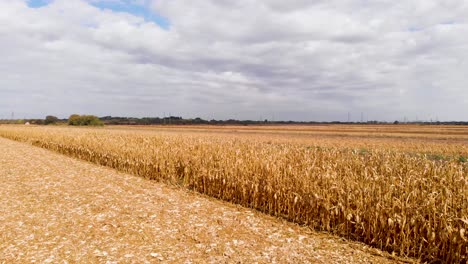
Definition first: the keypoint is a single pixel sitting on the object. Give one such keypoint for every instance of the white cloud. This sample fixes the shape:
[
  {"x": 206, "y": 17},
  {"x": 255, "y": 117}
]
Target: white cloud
[{"x": 296, "y": 59}]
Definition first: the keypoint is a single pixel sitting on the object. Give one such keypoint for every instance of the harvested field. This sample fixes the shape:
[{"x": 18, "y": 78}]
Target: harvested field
[
  {"x": 406, "y": 195},
  {"x": 54, "y": 209},
  {"x": 451, "y": 140}
]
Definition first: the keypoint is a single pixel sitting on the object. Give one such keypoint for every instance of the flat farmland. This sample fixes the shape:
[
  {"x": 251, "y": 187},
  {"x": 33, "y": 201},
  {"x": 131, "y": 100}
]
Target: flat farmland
[{"x": 402, "y": 189}]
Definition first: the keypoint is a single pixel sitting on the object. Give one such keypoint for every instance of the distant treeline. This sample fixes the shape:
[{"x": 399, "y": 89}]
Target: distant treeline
[{"x": 176, "y": 120}]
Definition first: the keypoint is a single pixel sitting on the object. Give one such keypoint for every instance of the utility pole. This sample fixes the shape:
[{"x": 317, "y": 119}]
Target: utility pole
[{"x": 349, "y": 117}]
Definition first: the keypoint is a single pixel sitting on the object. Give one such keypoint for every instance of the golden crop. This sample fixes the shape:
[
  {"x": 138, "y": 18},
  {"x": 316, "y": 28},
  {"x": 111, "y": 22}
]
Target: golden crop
[{"x": 403, "y": 201}]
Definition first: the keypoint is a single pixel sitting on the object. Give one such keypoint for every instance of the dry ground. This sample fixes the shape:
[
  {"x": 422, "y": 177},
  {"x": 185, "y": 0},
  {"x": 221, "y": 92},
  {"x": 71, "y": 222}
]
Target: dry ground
[{"x": 55, "y": 209}]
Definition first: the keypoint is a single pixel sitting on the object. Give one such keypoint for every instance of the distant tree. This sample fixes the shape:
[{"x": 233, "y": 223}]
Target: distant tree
[
  {"x": 74, "y": 120},
  {"x": 50, "y": 120},
  {"x": 396, "y": 122},
  {"x": 37, "y": 122},
  {"x": 84, "y": 120},
  {"x": 90, "y": 120}
]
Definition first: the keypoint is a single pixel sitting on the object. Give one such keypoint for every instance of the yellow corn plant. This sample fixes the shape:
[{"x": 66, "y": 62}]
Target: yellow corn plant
[{"x": 406, "y": 202}]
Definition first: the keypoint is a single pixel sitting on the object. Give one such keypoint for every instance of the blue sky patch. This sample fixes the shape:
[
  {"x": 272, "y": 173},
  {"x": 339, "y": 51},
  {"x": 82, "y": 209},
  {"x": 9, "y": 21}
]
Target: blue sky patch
[
  {"x": 135, "y": 9},
  {"x": 118, "y": 6},
  {"x": 38, "y": 3}
]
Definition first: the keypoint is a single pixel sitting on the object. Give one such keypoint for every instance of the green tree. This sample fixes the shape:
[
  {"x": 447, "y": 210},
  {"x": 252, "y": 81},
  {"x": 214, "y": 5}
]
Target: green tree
[
  {"x": 74, "y": 120},
  {"x": 84, "y": 120},
  {"x": 50, "y": 120}
]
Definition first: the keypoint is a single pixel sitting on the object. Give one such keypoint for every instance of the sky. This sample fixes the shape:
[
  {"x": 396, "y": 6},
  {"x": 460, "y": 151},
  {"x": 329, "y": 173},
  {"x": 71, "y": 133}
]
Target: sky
[{"x": 303, "y": 60}]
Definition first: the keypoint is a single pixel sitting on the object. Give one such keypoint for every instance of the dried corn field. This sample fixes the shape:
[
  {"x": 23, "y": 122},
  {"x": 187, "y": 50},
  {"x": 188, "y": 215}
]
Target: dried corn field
[
  {"x": 407, "y": 195},
  {"x": 56, "y": 209}
]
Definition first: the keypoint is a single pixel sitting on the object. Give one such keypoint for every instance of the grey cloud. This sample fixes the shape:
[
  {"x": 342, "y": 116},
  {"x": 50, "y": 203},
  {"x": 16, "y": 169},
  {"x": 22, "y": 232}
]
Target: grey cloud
[{"x": 295, "y": 59}]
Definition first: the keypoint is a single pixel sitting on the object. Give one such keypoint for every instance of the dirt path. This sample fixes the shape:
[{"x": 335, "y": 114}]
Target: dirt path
[{"x": 55, "y": 209}]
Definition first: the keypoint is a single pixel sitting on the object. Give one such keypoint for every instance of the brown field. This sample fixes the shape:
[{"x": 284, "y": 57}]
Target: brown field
[
  {"x": 433, "y": 131},
  {"x": 400, "y": 188}
]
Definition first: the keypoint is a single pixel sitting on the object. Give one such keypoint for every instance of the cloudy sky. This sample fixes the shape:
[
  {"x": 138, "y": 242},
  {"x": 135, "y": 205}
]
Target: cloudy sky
[{"x": 243, "y": 59}]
